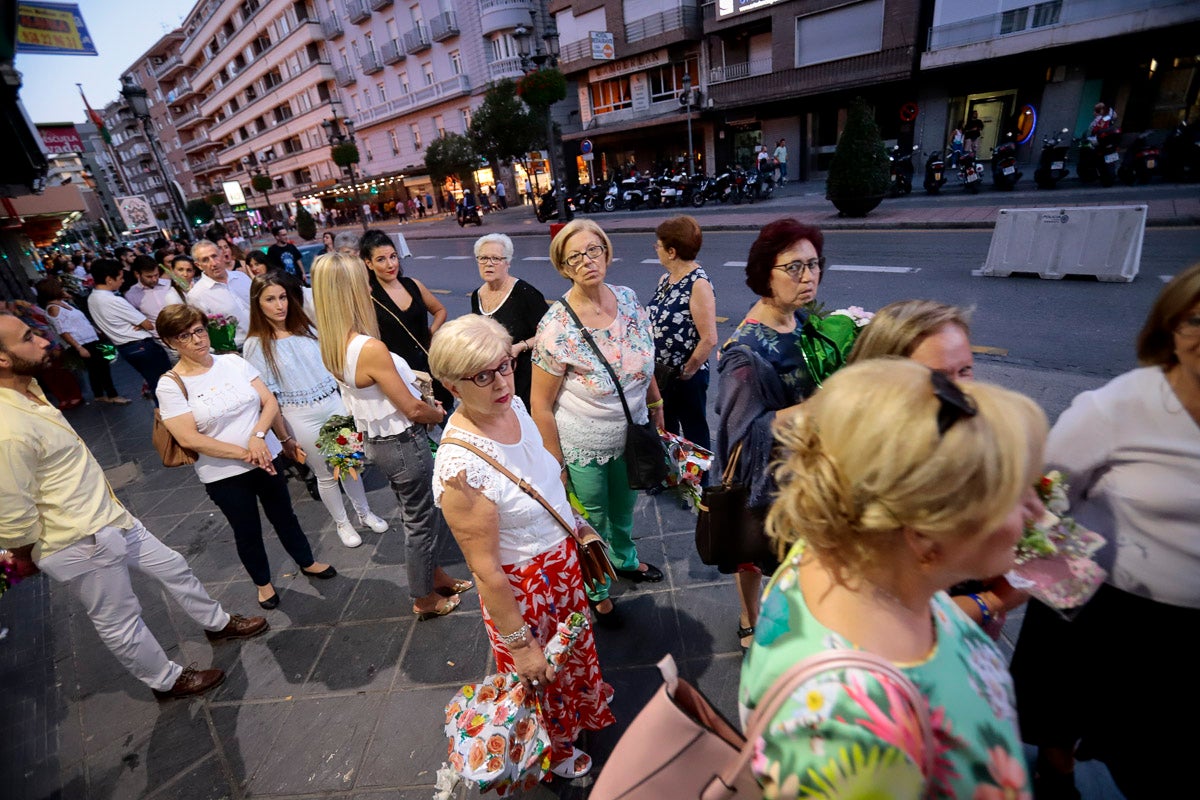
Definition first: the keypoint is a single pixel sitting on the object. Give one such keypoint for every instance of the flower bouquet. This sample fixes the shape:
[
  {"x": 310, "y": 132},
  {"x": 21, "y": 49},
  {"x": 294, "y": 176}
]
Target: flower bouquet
[
  {"x": 342, "y": 446},
  {"x": 827, "y": 338},
  {"x": 222, "y": 329},
  {"x": 688, "y": 463},
  {"x": 1054, "y": 555}
]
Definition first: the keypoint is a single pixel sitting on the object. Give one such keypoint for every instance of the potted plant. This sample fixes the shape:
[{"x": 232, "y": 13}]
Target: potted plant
[{"x": 858, "y": 175}]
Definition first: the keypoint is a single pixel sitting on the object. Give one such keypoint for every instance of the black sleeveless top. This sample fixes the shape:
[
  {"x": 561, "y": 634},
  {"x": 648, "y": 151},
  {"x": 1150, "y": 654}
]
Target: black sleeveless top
[{"x": 416, "y": 320}]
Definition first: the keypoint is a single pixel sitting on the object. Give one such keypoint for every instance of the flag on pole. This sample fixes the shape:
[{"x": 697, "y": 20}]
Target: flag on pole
[{"x": 96, "y": 119}]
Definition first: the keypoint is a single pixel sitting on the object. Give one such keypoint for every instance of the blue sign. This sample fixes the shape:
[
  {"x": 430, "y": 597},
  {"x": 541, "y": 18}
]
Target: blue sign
[{"x": 585, "y": 146}]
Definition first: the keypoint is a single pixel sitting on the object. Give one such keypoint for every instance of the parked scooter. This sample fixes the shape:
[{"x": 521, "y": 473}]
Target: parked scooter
[
  {"x": 1181, "y": 153},
  {"x": 547, "y": 205},
  {"x": 1004, "y": 163},
  {"x": 1099, "y": 160},
  {"x": 1052, "y": 163},
  {"x": 1141, "y": 161},
  {"x": 901, "y": 168},
  {"x": 935, "y": 172},
  {"x": 970, "y": 172},
  {"x": 760, "y": 184}
]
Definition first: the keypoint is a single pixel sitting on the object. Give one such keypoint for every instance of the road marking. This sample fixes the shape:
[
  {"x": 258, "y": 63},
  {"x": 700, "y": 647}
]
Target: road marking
[
  {"x": 866, "y": 268},
  {"x": 457, "y": 258},
  {"x": 734, "y": 264},
  {"x": 536, "y": 258},
  {"x": 440, "y": 291},
  {"x": 649, "y": 261},
  {"x": 983, "y": 349},
  {"x": 1165, "y": 278},
  {"x": 424, "y": 258},
  {"x": 976, "y": 273}
]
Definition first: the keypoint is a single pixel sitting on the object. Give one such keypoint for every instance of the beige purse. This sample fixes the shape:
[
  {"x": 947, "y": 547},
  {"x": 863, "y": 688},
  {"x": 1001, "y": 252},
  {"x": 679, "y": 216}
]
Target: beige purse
[{"x": 172, "y": 453}]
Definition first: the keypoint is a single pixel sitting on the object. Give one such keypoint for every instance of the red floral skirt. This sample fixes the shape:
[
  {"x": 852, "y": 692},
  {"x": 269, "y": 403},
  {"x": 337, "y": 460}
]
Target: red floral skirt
[{"x": 548, "y": 588}]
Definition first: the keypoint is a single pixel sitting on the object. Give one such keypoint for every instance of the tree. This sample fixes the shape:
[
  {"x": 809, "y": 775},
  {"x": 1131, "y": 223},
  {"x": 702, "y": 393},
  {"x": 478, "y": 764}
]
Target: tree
[
  {"x": 261, "y": 183},
  {"x": 502, "y": 128},
  {"x": 199, "y": 211},
  {"x": 452, "y": 155},
  {"x": 858, "y": 174},
  {"x": 306, "y": 226},
  {"x": 344, "y": 154}
]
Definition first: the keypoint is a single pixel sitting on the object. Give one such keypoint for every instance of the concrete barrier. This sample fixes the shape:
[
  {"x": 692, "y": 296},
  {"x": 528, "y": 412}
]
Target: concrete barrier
[
  {"x": 401, "y": 245},
  {"x": 1103, "y": 241}
]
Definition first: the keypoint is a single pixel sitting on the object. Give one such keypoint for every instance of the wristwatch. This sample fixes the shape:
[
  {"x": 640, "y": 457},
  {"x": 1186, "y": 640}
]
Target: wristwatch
[{"x": 260, "y": 435}]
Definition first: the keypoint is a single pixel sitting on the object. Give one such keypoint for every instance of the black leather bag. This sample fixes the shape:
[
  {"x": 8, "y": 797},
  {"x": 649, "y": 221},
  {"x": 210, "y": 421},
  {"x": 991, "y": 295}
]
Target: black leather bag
[
  {"x": 645, "y": 454},
  {"x": 728, "y": 531}
]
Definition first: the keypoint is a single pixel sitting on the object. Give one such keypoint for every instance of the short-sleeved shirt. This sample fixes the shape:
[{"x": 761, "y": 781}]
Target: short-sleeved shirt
[
  {"x": 675, "y": 333},
  {"x": 116, "y": 317},
  {"x": 231, "y": 298},
  {"x": 224, "y": 405},
  {"x": 519, "y": 312},
  {"x": 782, "y": 351},
  {"x": 852, "y": 733},
  {"x": 591, "y": 423}
]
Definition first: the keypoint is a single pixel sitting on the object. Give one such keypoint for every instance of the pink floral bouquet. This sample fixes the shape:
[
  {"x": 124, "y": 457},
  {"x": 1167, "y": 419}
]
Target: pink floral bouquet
[
  {"x": 222, "y": 330},
  {"x": 688, "y": 463},
  {"x": 1054, "y": 556},
  {"x": 342, "y": 446}
]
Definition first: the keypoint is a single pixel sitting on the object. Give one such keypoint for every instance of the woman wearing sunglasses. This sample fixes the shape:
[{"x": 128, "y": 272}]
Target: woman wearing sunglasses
[
  {"x": 895, "y": 484},
  {"x": 576, "y": 405},
  {"x": 522, "y": 558},
  {"x": 379, "y": 389}
]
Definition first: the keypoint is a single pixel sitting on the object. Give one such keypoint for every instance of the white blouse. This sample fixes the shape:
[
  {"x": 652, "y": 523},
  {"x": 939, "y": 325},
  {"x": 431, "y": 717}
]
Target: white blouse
[
  {"x": 526, "y": 529},
  {"x": 73, "y": 321},
  {"x": 373, "y": 412}
]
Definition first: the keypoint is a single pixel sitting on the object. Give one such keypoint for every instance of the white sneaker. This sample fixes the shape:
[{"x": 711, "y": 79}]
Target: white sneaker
[
  {"x": 348, "y": 535},
  {"x": 375, "y": 523}
]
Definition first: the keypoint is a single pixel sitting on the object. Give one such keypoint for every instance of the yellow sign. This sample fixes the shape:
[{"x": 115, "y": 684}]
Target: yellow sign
[{"x": 53, "y": 29}]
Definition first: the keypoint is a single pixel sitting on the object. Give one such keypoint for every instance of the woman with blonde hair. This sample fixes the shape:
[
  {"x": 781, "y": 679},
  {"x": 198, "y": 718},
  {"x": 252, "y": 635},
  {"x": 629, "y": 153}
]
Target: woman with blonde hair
[
  {"x": 895, "y": 484},
  {"x": 523, "y": 559},
  {"x": 378, "y": 388}
]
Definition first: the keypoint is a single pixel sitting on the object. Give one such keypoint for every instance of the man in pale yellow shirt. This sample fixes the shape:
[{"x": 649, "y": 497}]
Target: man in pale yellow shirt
[{"x": 59, "y": 515}]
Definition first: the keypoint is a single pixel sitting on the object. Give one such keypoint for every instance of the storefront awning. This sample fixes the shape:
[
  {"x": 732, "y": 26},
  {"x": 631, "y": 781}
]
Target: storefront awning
[{"x": 632, "y": 125}]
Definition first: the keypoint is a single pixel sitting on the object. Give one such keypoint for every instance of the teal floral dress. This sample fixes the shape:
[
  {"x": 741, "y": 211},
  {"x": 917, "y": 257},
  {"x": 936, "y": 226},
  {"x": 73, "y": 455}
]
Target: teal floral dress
[{"x": 851, "y": 734}]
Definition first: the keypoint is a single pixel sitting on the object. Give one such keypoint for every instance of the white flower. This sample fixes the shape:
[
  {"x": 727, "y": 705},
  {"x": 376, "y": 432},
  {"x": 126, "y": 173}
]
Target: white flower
[
  {"x": 857, "y": 313},
  {"x": 990, "y": 679}
]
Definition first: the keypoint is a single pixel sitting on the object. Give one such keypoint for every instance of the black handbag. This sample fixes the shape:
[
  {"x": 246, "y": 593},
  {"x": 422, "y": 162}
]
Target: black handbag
[
  {"x": 728, "y": 531},
  {"x": 645, "y": 453}
]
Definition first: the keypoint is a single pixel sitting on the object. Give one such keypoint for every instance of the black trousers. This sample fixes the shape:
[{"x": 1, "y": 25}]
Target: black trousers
[
  {"x": 149, "y": 359},
  {"x": 99, "y": 372}
]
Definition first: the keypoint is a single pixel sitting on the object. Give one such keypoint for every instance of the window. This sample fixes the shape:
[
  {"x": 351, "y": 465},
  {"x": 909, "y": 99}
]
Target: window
[
  {"x": 666, "y": 81},
  {"x": 1013, "y": 21},
  {"x": 439, "y": 125},
  {"x": 456, "y": 62},
  {"x": 427, "y": 70},
  {"x": 354, "y": 103},
  {"x": 393, "y": 142},
  {"x": 415, "y": 132},
  {"x": 370, "y": 43},
  {"x": 345, "y": 59},
  {"x": 403, "y": 83},
  {"x": 303, "y": 102},
  {"x": 610, "y": 95},
  {"x": 844, "y": 32},
  {"x": 367, "y": 148},
  {"x": 382, "y": 89},
  {"x": 392, "y": 36},
  {"x": 465, "y": 114},
  {"x": 1046, "y": 14},
  {"x": 283, "y": 113},
  {"x": 366, "y": 97},
  {"x": 504, "y": 46}
]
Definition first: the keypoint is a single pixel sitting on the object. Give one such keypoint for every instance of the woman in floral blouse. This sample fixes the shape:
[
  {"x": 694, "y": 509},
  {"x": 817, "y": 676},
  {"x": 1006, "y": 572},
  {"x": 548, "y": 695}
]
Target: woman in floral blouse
[
  {"x": 684, "y": 315},
  {"x": 897, "y": 483},
  {"x": 575, "y": 404}
]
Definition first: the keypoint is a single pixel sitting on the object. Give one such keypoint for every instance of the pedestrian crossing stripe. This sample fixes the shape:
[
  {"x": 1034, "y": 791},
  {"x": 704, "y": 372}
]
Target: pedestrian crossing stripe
[
  {"x": 439, "y": 291},
  {"x": 734, "y": 264},
  {"x": 536, "y": 258},
  {"x": 457, "y": 258},
  {"x": 424, "y": 258},
  {"x": 650, "y": 261},
  {"x": 865, "y": 268}
]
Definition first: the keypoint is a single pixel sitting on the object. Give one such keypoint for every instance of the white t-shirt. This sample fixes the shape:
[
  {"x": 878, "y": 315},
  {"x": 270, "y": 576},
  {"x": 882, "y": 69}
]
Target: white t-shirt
[
  {"x": 116, "y": 317},
  {"x": 224, "y": 405}
]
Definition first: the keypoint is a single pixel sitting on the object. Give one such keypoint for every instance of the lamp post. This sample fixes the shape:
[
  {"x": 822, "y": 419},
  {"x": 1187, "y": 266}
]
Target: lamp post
[
  {"x": 534, "y": 57},
  {"x": 687, "y": 101},
  {"x": 138, "y": 101},
  {"x": 334, "y": 132},
  {"x": 262, "y": 169}
]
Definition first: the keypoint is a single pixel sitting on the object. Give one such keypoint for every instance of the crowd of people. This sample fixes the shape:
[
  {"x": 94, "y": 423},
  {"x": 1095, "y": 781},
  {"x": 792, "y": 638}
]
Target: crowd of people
[{"x": 892, "y": 486}]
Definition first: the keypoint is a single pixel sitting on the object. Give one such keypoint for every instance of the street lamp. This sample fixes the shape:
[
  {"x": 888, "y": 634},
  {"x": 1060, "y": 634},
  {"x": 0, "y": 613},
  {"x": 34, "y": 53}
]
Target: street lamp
[
  {"x": 261, "y": 169},
  {"x": 687, "y": 99},
  {"x": 333, "y": 131},
  {"x": 534, "y": 57},
  {"x": 138, "y": 101}
]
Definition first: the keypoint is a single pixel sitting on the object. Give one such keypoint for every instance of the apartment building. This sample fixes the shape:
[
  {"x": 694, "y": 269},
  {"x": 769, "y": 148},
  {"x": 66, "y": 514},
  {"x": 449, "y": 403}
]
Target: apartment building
[{"x": 1036, "y": 68}]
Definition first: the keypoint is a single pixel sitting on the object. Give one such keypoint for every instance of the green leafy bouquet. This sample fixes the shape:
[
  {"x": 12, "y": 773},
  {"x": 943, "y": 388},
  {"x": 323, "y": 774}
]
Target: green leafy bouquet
[{"x": 342, "y": 446}]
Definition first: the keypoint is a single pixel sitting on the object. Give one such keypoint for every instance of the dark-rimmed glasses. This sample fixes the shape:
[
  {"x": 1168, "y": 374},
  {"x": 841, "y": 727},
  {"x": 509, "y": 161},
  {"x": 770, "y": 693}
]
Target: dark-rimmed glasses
[
  {"x": 488, "y": 376},
  {"x": 953, "y": 404},
  {"x": 795, "y": 269},
  {"x": 194, "y": 333},
  {"x": 595, "y": 252},
  {"x": 494, "y": 261}
]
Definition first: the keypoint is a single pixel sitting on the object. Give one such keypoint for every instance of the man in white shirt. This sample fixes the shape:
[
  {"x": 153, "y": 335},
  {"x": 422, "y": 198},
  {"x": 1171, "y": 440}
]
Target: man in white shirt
[
  {"x": 125, "y": 326},
  {"x": 153, "y": 292},
  {"x": 219, "y": 290}
]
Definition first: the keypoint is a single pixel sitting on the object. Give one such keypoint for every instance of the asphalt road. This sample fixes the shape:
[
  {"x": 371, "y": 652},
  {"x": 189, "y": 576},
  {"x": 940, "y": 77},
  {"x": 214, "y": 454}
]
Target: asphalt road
[{"x": 1077, "y": 325}]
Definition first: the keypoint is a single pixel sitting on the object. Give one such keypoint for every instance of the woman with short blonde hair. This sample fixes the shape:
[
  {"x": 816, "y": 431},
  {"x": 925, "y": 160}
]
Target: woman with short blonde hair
[{"x": 894, "y": 484}]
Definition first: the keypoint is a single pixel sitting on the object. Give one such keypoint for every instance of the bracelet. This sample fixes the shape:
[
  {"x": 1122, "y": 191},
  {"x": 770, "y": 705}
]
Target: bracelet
[
  {"x": 288, "y": 439},
  {"x": 516, "y": 636},
  {"x": 984, "y": 610},
  {"x": 657, "y": 404}
]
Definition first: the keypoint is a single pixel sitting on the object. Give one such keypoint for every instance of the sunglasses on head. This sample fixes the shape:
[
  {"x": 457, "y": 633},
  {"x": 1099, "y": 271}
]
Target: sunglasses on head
[{"x": 953, "y": 404}]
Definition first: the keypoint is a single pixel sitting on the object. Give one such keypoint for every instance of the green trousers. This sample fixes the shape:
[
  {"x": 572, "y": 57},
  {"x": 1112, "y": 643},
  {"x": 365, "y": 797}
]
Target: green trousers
[{"x": 604, "y": 491}]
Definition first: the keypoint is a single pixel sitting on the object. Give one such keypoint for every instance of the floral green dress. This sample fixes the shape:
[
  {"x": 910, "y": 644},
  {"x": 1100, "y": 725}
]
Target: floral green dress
[{"x": 851, "y": 734}]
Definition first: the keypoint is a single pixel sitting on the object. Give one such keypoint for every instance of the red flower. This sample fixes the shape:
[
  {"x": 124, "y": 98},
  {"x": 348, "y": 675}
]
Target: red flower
[{"x": 342, "y": 440}]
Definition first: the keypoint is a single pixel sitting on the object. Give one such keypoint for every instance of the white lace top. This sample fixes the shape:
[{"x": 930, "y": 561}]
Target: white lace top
[
  {"x": 302, "y": 379},
  {"x": 526, "y": 529},
  {"x": 373, "y": 413}
]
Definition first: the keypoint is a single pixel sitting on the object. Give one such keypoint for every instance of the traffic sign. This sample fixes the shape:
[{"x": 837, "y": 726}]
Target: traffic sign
[{"x": 585, "y": 146}]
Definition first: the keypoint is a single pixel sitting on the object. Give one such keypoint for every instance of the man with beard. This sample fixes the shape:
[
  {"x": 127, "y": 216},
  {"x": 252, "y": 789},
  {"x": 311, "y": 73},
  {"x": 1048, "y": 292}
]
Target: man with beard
[{"x": 58, "y": 515}]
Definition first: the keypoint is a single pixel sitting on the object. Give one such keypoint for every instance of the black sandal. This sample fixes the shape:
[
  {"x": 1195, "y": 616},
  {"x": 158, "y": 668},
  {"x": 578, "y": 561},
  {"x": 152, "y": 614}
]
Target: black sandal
[{"x": 742, "y": 633}]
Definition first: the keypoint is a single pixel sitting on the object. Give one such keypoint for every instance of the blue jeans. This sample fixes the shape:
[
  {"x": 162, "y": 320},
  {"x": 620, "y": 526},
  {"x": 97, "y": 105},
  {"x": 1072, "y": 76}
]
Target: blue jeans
[{"x": 149, "y": 359}]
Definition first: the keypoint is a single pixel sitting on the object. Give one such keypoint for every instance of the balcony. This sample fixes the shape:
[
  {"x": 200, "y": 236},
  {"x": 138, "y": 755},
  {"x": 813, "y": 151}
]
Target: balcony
[
  {"x": 505, "y": 68},
  {"x": 684, "y": 19},
  {"x": 357, "y": 11},
  {"x": 731, "y": 91},
  {"x": 370, "y": 63},
  {"x": 503, "y": 15},
  {"x": 199, "y": 143},
  {"x": 379, "y": 5},
  {"x": 575, "y": 51},
  {"x": 183, "y": 88},
  {"x": 417, "y": 40},
  {"x": 454, "y": 87},
  {"x": 393, "y": 53},
  {"x": 168, "y": 67},
  {"x": 345, "y": 76},
  {"x": 332, "y": 27},
  {"x": 206, "y": 165},
  {"x": 187, "y": 118},
  {"x": 444, "y": 26},
  {"x": 735, "y": 72}
]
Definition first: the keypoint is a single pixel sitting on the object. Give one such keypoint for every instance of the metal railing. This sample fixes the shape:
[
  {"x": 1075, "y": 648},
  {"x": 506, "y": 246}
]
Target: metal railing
[
  {"x": 734, "y": 72},
  {"x": 379, "y": 4},
  {"x": 187, "y": 117},
  {"x": 370, "y": 63},
  {"x": 885, "y": 65},
  {"x": 417, "y": 39},
  {"x": 575, "y": 51},
  {"x": 459, "y": 84},
  {"x": 332, "y": 27},
  {"x": 357, "y": 11},
  {"x": 344, "y": 76},
  {"x": 169, "y": 65},
  {"x": 442, "y": 89},
  {"x": 681, "y": 18},
  {"x": 393, "y": 53},
  {"x": 492, "y": 5},
  {"x": 444, "y": 25}
]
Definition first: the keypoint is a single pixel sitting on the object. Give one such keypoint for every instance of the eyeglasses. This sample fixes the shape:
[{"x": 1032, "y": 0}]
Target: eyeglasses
[
  {"x": 488, "y": 376},
  {"x": 1189, "y": 326},
  {"x": 494, "y": 261},
  {"x": 954, "y": 404},
  {"x": 594, "y": 252},
  {"x": 194, "y": 333},
  {"x": 795, "y": 269}
]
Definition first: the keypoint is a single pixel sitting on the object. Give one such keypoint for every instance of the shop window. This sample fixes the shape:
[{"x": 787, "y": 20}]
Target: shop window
[{"x": 610, "y": 95}]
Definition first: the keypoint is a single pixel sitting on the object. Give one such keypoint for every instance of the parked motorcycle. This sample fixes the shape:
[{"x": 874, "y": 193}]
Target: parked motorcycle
[
  {"x": 1181, "y": 153},
  {"x": 1004, "y": 164},
  {"x": 760, "y": 184},
  {"x": 1099, "y": 160},
  {"x": 970, "y": 172},
  {"x": 1141, "y": 161},
  {"x": 612, "y": 195},
  {"x": 547, "y": 205},
  {"x": 737, "y": 189},
  {"x": 935, "y": 172},
  {"x": 1052, "y": 163},
  {"x": 901, "y": 168}
]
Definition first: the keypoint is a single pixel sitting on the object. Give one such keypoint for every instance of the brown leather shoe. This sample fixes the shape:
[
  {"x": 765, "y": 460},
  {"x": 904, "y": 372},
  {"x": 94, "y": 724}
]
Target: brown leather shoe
[
  {"x": 192, "y": 681},
  {"x": 239, "y": 627}
]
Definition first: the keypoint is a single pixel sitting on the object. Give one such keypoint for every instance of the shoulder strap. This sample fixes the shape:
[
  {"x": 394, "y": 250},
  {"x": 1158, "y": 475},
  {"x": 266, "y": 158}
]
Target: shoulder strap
[
  {"x": 787, "y": 683},
  {"x": 587, "y": 337},
  {"x": 522, "y": 484},
  {"x": 400, "y": 322},
  {"x": 179, "y": 381}
]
